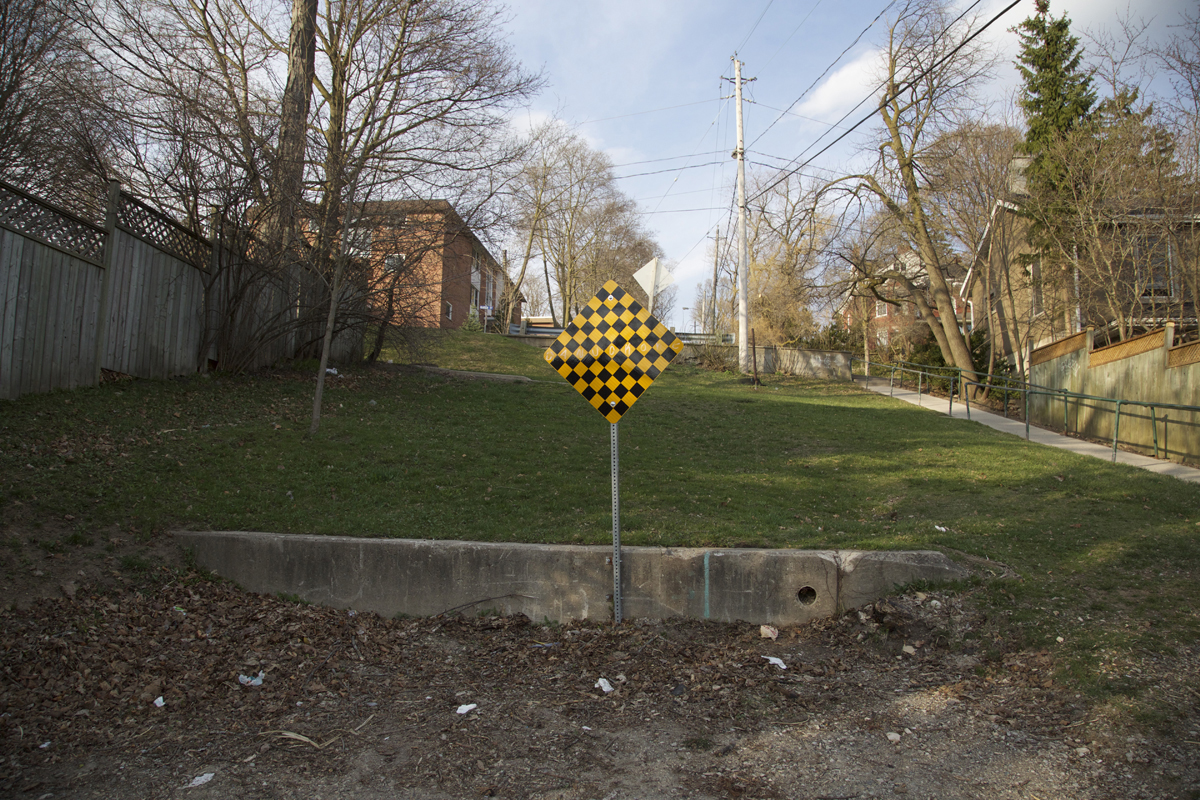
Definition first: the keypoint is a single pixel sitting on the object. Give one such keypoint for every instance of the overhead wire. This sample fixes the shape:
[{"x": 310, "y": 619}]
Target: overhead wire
[
  {"x": 754, "y": 27},
  {"x": 907, "y": 84},
  {"x": 832, "y": 64}
]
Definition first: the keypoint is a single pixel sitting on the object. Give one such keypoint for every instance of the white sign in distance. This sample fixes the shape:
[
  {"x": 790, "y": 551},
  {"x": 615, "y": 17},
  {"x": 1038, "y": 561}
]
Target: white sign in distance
[{"x": 653, "y": 279}]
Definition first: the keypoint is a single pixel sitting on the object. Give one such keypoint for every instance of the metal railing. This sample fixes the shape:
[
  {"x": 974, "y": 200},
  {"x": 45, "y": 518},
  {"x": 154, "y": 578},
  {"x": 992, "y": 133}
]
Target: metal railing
[{"x": 1008, "y": 386}]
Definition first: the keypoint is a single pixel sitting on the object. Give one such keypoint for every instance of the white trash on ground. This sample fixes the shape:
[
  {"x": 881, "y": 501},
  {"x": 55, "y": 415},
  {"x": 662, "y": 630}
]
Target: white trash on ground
[
  {"x": 246, "y": 680},
  {"x": 604, "y": 685},
  {"x": 468, "y": 708},
  {"x": 768, "y": 632},
  {"x": 776, "y": 661},
  {"x": 200, "y": 780}
]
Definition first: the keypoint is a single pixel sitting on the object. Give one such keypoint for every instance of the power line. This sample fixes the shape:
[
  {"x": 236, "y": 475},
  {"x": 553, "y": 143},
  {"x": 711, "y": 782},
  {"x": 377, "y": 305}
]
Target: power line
[
  {"x": 670, "y": 169},
  {"x": 640, "y": 113},
  {"x": 681, "y": 210},
  {"x": 908, "y": 84},
  {"x": 755, "y": 26},
  {"x": 668, "y": 158},
  {"x": 794, "y": 114},
  {"x": 789, "y": 37},
  {"x": 826, "y": 72}
]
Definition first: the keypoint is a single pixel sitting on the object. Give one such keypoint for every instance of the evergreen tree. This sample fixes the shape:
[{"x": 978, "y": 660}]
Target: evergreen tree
[{"x": 1057, "y": 97}]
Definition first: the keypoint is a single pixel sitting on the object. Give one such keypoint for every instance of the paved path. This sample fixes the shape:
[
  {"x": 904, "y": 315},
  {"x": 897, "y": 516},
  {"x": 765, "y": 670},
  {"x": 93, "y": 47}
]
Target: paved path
[{"x": 1036, "y": 434}]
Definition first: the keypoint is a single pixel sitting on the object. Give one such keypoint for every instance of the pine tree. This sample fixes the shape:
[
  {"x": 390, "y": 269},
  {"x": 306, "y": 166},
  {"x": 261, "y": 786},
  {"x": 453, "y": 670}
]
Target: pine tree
[{"x": 1057, "y": 97}]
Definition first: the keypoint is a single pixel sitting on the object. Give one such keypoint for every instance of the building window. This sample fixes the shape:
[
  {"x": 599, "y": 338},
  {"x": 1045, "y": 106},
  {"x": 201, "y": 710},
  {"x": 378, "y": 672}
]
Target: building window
[
  {"x": 358, "y": 241},
  {"x": 475, "y": 297},
  {"x": 449, "y": 311},
  {"x": 1153, "y": 256},
  {"x": 881, "y": 308},
  {"x": 393, "y": 263}
]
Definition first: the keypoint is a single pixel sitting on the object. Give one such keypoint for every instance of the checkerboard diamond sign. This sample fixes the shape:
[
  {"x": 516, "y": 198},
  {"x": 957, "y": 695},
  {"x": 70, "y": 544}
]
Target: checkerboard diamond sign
[{"x": 613, "y": 351}]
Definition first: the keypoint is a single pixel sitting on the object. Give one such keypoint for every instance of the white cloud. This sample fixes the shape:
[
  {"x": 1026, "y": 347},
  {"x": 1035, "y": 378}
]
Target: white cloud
[{"x": 843, "y": 88}]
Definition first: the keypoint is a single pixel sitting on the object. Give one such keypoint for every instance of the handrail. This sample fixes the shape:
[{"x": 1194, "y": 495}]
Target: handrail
[{"x": 1027, "y": 389}]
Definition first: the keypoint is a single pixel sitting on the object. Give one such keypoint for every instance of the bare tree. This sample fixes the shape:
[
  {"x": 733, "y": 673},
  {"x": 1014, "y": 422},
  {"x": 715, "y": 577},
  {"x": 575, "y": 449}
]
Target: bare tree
[
  {"x": 55, "y": 137},
  {"x": 573, "y": 217},
  {"x": 931, "y": 68},
  {"x": 787, "y": 233}
]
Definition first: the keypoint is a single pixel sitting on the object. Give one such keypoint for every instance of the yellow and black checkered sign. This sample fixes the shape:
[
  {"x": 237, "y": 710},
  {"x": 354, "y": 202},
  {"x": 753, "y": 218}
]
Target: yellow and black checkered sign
[{"x": 613, "y": 351}]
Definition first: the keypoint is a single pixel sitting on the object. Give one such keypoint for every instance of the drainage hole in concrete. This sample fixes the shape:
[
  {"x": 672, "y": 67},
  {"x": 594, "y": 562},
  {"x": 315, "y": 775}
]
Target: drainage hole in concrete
[{"x": 807, "y": 595}]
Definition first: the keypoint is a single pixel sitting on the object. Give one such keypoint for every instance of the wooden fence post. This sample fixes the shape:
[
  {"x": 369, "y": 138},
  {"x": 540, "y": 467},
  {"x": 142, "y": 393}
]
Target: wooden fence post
[{"x": 110, "y": 245}]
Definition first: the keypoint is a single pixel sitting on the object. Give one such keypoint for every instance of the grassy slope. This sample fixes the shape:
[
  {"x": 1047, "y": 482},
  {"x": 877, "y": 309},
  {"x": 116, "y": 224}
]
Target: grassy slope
[{"x": 705, "y": 460}]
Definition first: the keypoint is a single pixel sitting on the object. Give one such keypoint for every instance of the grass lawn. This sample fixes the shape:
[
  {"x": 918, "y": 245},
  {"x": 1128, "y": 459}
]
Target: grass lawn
[{"x": 1103, "y": 556}]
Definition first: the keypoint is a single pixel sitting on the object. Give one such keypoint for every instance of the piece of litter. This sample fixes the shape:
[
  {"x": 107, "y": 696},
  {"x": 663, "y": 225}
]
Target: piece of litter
[
  {"x": 468, "y": 708},
  {"x": 1060, "y": 640},
  {"x": 893, "y": 737},
  {"x": 331, "y": 371},
  {"x": 768, "y": 632},
  {"x": 246, "y": 680},
  {"x": 776, "y": 661},
  {"x": 908, "y": 649},
  {"x": 43, "y": 745},
  {"x": 586, "y": 728},
  {"x": 158, "y": 701},
  {"x": 940, "y": 528},
  {"x": 604, "y": 685},
  {"x": 200, "y": 780}
]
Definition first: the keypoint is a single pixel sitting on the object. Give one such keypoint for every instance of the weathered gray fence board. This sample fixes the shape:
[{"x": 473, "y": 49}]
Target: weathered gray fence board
[
  {"x": 155, "y": 325},
  {"x": 45, "y": 294},
  {"x": 158, "y": 314},
  {"x": 8, "y": 309}
]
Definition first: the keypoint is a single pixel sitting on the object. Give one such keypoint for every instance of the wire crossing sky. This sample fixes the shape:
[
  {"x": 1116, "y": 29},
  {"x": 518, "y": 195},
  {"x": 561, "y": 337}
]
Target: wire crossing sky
[{"x": 644, "y": 81}]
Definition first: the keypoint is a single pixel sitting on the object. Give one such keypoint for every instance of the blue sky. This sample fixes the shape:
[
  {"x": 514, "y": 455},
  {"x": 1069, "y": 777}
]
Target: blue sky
[{"x": 642, "y": 81}]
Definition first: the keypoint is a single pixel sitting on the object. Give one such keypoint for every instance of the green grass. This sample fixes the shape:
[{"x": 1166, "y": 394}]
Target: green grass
[{"x": 706, "y": 460}]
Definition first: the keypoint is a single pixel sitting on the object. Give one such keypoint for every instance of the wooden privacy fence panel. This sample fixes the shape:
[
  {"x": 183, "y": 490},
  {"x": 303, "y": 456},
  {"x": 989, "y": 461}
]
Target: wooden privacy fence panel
[
  {"x": 155, "y": 311},
  {"x": 144, "y": 296},
  {"x": 48, "y": 313},
  {"x": 50, "y": 284}
]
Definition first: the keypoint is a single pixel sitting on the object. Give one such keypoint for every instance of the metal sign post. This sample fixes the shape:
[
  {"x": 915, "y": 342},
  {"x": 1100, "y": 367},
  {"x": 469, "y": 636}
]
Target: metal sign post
[
  {"x": 616, "y": 515},
  {"x": 611, "y": 353}
]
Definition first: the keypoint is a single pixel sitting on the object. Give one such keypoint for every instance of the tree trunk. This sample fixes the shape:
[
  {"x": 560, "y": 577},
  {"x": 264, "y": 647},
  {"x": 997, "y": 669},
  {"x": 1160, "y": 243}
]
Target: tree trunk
[{"x": 293, "y": 123}]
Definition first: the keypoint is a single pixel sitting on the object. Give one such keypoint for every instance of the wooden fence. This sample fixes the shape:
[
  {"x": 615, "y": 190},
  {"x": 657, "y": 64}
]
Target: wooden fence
[{"x": 141, "y": 295}]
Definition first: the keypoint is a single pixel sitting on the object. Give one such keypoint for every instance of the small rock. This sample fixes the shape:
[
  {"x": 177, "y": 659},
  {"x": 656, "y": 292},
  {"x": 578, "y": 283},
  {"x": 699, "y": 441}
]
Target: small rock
[
  {"x": 37, "y": 573},
  {"x": 893, "y": 737},
  {"x": 909, "y": 650},
  {"x": 68, "y": 589},
  {"x": 1082, "y": 751}
]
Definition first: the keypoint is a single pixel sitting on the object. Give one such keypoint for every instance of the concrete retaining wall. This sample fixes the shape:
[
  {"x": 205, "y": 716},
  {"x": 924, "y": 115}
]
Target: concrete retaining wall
[
  {"x": 561, "y": 582},
  {"x": 832, "y": 365}
]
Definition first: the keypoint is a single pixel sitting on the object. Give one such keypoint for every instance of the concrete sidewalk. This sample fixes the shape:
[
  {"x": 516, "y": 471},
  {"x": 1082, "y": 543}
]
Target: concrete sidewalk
[{"x": 1036, "y": 434}]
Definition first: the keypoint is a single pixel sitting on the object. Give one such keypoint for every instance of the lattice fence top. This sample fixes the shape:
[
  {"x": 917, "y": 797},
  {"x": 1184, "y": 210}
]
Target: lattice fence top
[
  {"x": 1183, "y": 355},
  {"x": 163, "y": 232},
  {"x": 1060, "y": 348},
  {"x": 40, "y": 220},
  {"x": 1130, "y": 347}
]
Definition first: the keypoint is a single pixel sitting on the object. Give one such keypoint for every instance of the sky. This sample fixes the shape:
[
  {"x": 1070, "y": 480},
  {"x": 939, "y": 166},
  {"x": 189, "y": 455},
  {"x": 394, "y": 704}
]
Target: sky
[{"x": 645, "y": 82}]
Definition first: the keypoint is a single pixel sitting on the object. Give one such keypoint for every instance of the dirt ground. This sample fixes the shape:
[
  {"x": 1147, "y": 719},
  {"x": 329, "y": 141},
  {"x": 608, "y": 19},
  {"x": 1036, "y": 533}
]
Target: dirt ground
[{"x": 121, "y": 679}]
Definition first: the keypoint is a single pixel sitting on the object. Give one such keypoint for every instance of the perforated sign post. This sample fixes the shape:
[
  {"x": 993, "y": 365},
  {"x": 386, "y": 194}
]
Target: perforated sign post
[{"x": 611, "y": 353}]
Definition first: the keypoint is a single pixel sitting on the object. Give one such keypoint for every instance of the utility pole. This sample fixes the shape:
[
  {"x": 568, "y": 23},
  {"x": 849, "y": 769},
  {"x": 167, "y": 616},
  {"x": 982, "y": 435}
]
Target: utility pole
[
  {"x": 712, "y": 309},
  {"x": 743, "y": 246}
]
